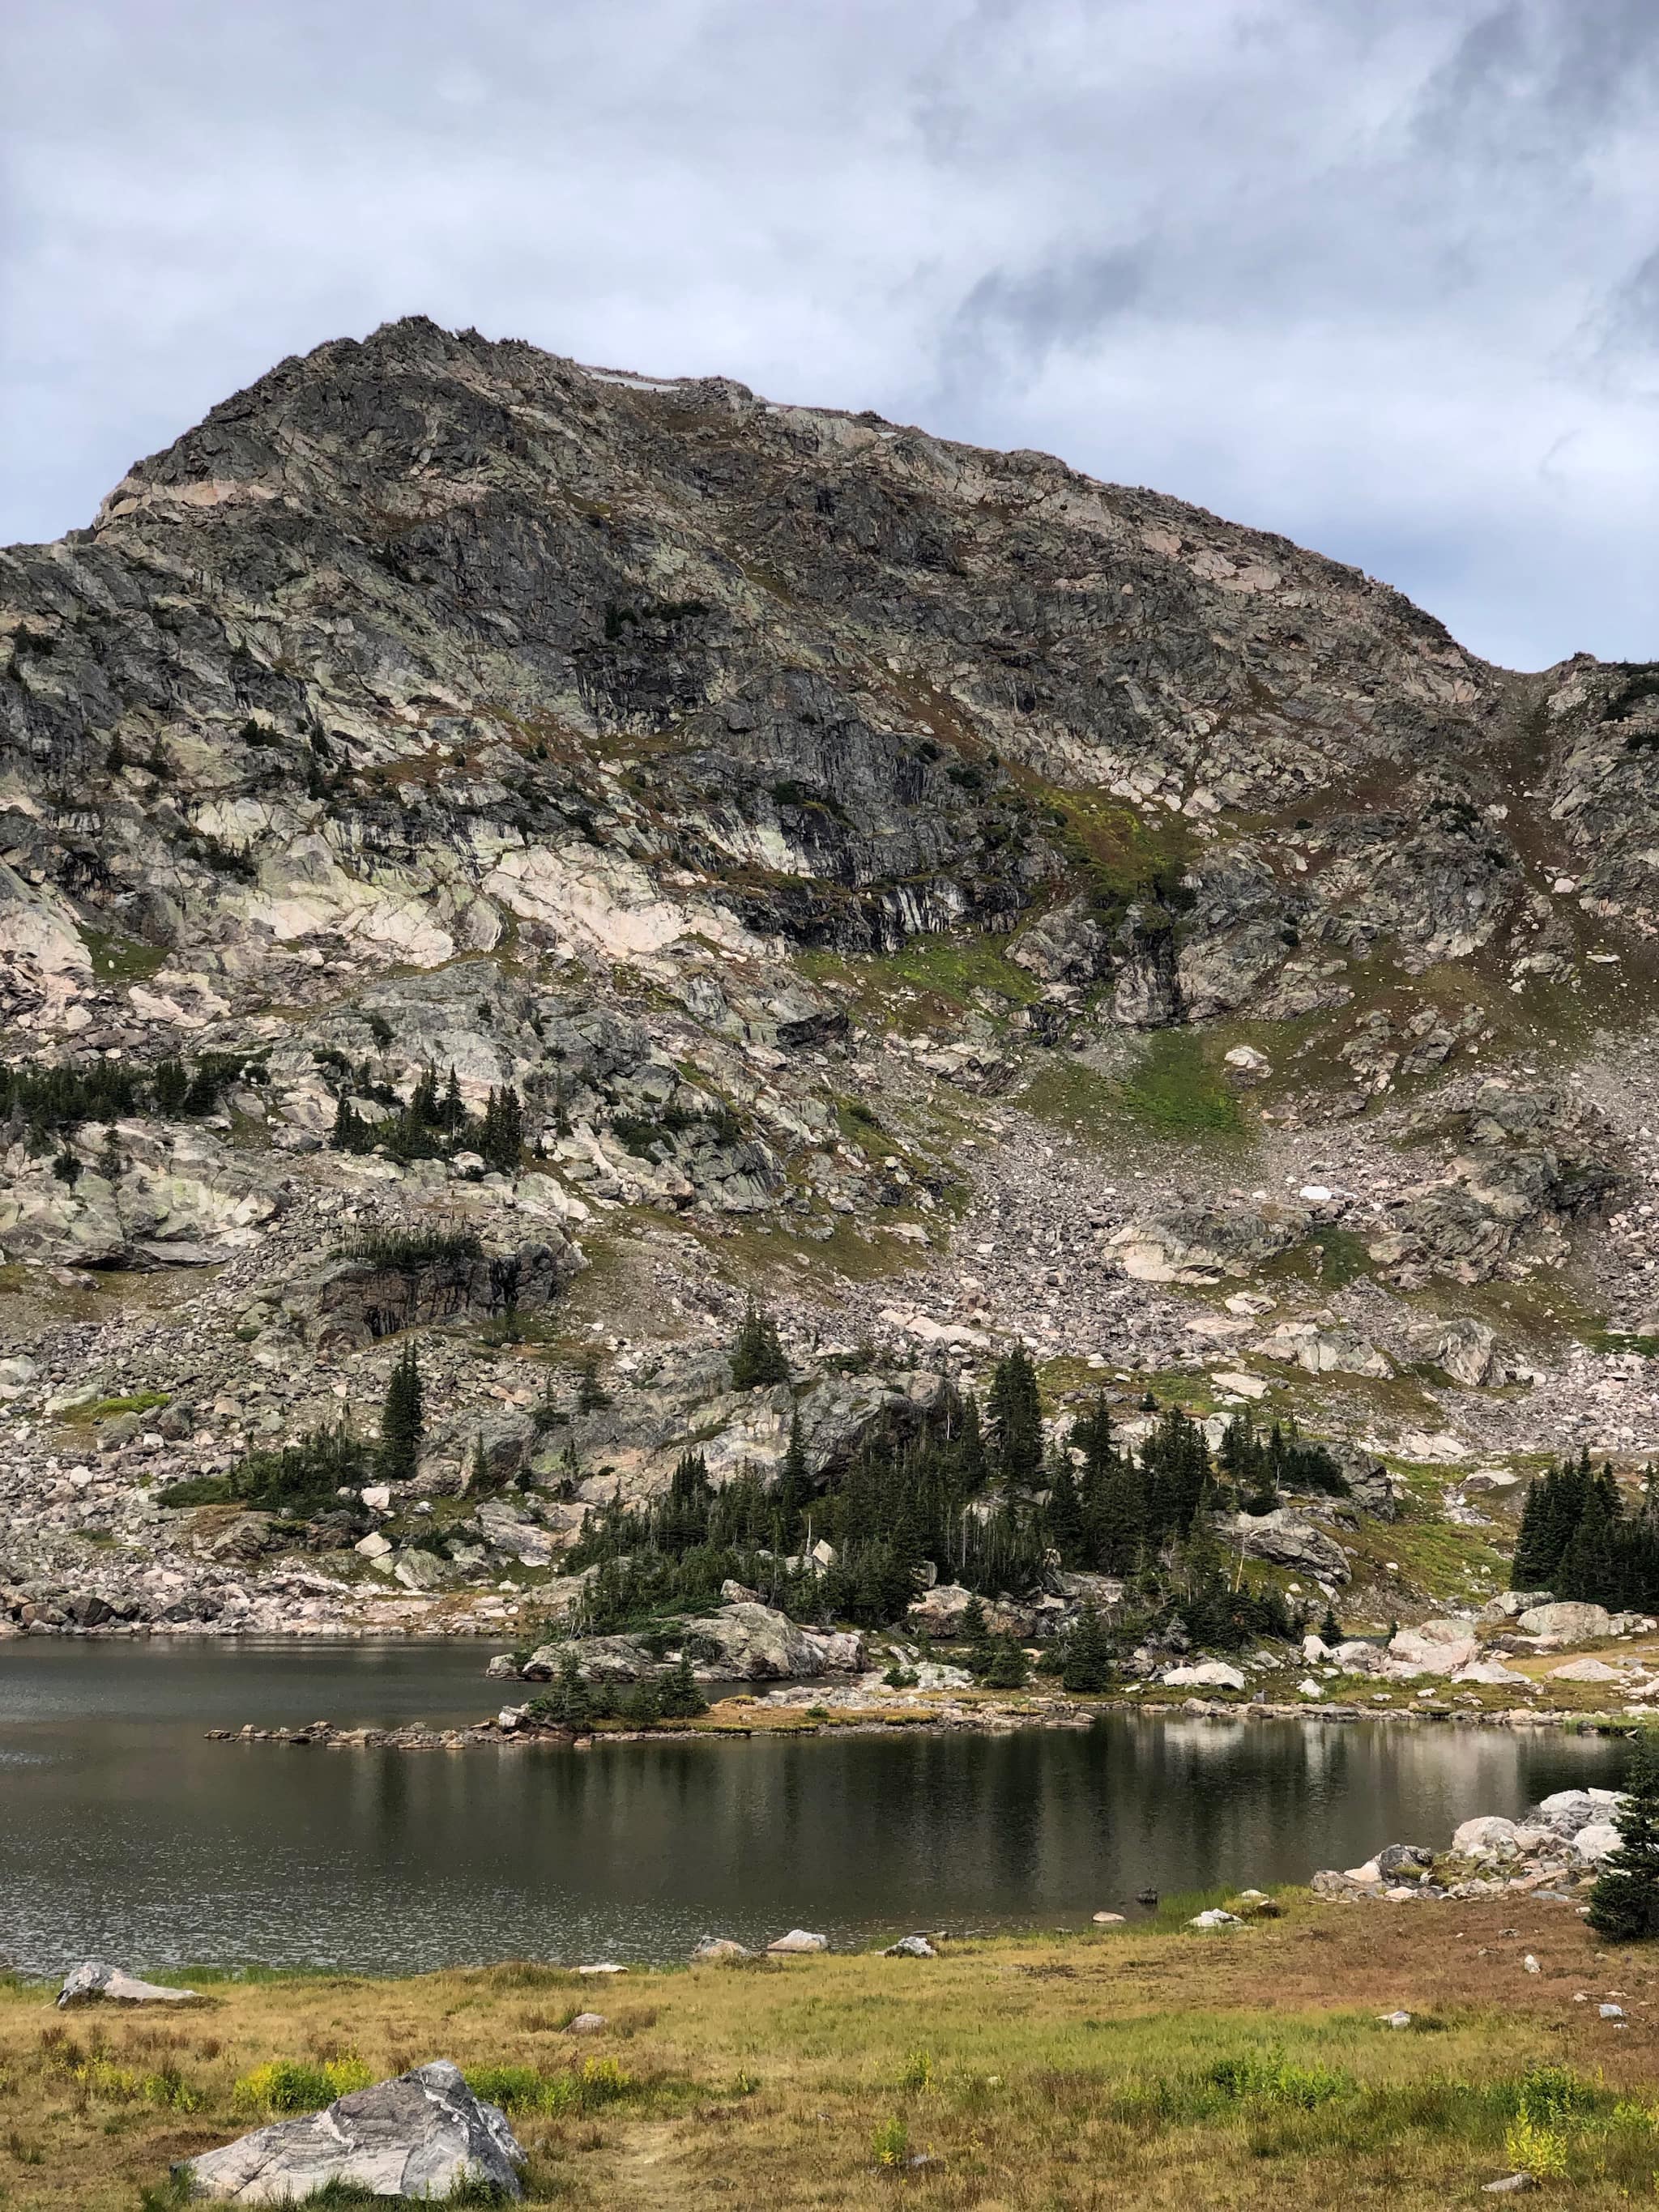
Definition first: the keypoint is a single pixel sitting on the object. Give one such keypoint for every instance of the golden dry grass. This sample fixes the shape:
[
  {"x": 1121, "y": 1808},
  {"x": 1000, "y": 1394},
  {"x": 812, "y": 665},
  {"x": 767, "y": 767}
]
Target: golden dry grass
[{"x": 1040, "y": 2074}]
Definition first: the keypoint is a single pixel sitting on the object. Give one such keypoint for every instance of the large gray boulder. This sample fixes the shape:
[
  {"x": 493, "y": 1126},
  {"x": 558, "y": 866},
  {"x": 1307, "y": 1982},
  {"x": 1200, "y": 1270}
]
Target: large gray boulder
[
  {"x": 1468, "y": 1351},
  {"x": 93, "y": 1980},
  {"x": 1201, "y": 1245},
  {"x": 1284, "y": 1539},
  {"x": 423, "y": 2136},
  {"x": 1566, "y": 1622},
  {"x": 1434, "y": 1647},
  {"x": 752, "y": 1642}
]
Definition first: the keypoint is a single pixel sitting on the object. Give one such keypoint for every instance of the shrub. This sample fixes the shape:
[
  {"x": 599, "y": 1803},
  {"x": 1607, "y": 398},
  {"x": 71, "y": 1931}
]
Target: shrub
[
  {"x": 892, "y": 2144},
  {"x": 299, "y": 2085},
  {"x": 1534, "y": 2148},
  {"x": 409, "y": 1251},
  {"x": 299, "y": 1477}
]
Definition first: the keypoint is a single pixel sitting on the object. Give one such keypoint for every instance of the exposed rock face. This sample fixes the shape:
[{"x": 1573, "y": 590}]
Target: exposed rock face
[
  {"x": 356, "y": 1300},
  {"x": 423, "y": 2136},
  {"x": 743, "y": 1642},
  {"x": 1285, "y": 1539},
  {"x": 431, "y": 708}
]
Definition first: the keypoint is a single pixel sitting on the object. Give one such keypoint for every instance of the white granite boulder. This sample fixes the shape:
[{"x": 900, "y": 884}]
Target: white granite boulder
[
  {"x": 92, "y": 1980},
  {"x": 423, "y": 2135}
]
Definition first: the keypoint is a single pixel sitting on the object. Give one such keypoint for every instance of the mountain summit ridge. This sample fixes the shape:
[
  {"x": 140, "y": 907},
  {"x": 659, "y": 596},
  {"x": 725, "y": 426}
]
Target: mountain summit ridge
[{"x": 971, "y": 899}]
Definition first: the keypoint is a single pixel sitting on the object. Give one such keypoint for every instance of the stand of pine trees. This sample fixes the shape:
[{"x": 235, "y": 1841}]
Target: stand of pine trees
[
  {"x": 971, "y": 1505},
  {"x": 1576, "y": 1541},
  {"x": 434, "y": 1124}
]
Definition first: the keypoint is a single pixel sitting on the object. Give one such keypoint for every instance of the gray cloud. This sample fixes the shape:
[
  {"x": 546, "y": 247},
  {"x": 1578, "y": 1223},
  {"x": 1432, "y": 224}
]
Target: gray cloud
[{"x": 1380, "y": 277}]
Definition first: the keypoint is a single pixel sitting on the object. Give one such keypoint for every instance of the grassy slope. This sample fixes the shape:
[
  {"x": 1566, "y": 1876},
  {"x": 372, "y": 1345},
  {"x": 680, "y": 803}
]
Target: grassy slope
[{"x": 1071, "y": 2071}]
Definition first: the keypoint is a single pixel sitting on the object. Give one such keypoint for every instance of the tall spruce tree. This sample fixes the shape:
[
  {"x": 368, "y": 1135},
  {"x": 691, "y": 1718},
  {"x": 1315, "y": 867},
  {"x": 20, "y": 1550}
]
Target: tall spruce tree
[
  {"x": 1086, "y": 1663},
  {"x": 1064, "y": 1514},
  {"x": 1625, "y": 1902},
  {"x": 1016, "y": 1410},
  {"x": 403, "y": 1420},
  {"x": 500, "y": 1138},
  {"x": 758, "y": 1356}
]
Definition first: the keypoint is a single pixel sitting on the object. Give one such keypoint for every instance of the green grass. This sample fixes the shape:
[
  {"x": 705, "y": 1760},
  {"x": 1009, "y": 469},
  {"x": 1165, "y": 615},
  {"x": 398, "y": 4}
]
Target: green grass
[
  {"x": 118, "y": 959},
  {"x": 1173, "y": 1093}
]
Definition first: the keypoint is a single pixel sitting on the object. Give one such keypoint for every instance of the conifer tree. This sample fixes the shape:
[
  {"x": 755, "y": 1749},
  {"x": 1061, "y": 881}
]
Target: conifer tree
[
  {"x": 1586, "y": 1568},
  {"x": 971, "y": 1468},
  {"x": 1120, "y": 1517},
  {"x": 591, "y": 1396},
  {"x": 976, "y": 1635},
  {"x": 795, "y": 1480},
  {"x": 1330, "y": 1629},
  {"x": 758, "y": 1356},
  {"x": 453, "y": 1110},
  {"x": 403, "y": 1420},
  {"x": 1064, "y": 1514},
  {"x": 1625, "y": 1902},
  {"x": 500, "y": 1137},
  {"x": 681, "y": 1695},
  {"x": 1016, "y": 1410},
  {"x": 1087, "y": 1664},
  {"x": 1007, "y": 1669},
  {"x": 570, "y": 1704}
]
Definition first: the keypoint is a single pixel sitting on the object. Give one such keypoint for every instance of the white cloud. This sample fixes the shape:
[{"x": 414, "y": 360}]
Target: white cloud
[{"x": 1382, "y": 278}]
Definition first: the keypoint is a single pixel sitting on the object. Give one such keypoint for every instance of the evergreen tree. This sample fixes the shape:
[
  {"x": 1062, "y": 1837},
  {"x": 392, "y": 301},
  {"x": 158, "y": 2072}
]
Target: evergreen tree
[
  {"x": 570, "y": 1704},
  {"x": 681, "y": 1695},
  {"x": 403, "y": 1420},
  {"x": 1625, "y": 1902},
  {"x": 1527, "y": 1567},
  {"x": 1586, "y": 1569},
  {"x": 1007, "y": 1669},
  {"x": 451, "y": 1111},
  {"x": 1016, "y": 1410},
  {"x": 1119, "y": 1532},
  {"x": 1064, "y": 1514},
  {"x": 971, "y": 1468},
  {"x": 976, "y": 1635},
  {"x": 644, "y": 1708},
  {"x": 794, "y": 1481},
  {"x": 758, "y": 1356},
  {"x": 1087, "y": 1663},
  {"x": 591, "y": 1396},
  {"x": 500, "y": 1135},
  {"x": 110, "y": 1161},
  {"x": 1330, "y": 1629}
]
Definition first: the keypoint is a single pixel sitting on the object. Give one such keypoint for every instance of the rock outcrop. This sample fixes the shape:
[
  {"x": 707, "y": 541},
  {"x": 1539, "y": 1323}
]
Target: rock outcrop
[{"x": 422, "y": 2136}]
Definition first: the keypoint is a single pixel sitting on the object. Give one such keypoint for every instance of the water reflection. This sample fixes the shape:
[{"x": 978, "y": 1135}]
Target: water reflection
[{"x": 123, "y": 1831}]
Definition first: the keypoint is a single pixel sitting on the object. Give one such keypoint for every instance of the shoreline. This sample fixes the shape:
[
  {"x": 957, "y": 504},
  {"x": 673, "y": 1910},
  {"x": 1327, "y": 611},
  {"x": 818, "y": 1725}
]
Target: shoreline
[{"x": 722, "y": 1725}]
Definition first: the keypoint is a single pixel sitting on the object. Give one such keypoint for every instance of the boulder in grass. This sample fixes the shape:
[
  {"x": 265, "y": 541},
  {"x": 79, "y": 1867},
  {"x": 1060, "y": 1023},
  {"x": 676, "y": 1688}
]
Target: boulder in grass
[
  {"x": 587, "y": 2023},
  {"x": 910, "y": 1946},
  {"x": 799, "y": 1939},
  {"x": 92, "y": 1980},
  {"x": 423, "y": 2136},
  {"x": 718, "y": 1950}
]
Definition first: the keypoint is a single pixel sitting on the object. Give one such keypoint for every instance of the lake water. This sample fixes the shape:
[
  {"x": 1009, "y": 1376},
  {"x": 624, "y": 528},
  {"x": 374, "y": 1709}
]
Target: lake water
[{"x": 125, "y": 1835}]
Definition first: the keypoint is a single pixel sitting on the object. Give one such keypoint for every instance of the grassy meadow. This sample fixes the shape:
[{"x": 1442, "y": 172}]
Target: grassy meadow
[{"x": 1148, "y": 2065}]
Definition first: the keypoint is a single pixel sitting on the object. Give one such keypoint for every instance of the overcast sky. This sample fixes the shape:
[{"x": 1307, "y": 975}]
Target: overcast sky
[{"x": 1383, "y": 276}]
